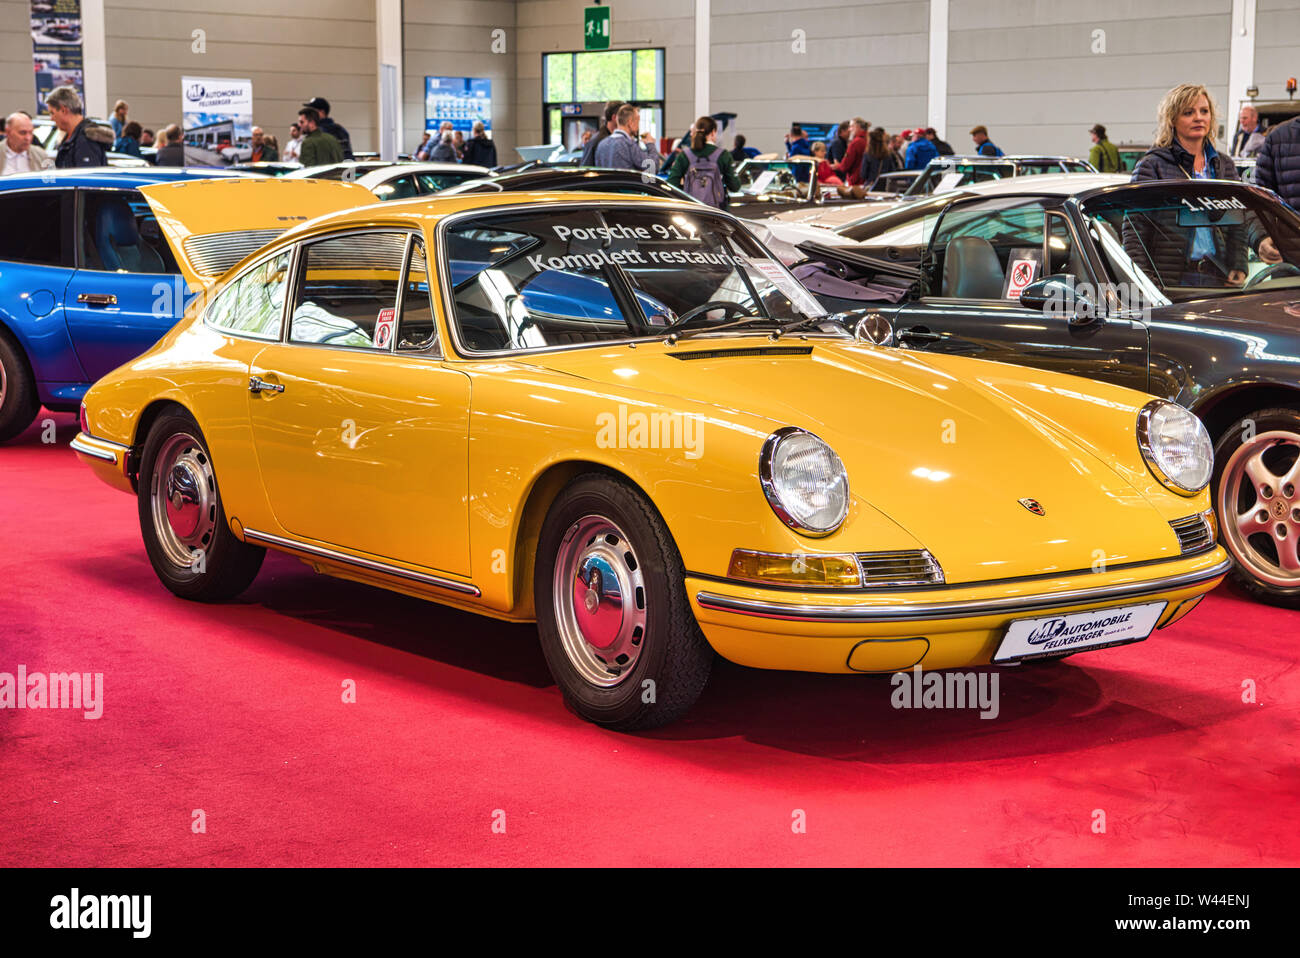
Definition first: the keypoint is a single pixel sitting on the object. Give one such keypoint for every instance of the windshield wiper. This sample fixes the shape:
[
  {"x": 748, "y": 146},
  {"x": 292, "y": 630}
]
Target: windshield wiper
[{"x": 687, "y": 333}]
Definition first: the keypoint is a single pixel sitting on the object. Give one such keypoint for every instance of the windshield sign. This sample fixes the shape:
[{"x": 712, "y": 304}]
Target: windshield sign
[
  {"x": 589, "y": 275},
  {"x": 1195, "y": 239}
]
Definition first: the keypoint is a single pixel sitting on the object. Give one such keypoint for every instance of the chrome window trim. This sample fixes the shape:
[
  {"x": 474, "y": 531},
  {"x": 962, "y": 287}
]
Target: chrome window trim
[
  {"x": 371, "y": 565},
  {"x": 238, "y": 277},
  {"x": 448, "y": 296},
  {"x": 955, "y": 610},
  {"x": 290, "y": 302}
]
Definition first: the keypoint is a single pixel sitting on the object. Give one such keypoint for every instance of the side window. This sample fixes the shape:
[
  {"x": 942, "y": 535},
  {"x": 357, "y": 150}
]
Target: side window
[
  {"x": 417, "y": 328},
  {"x": 347, "y": 290},
  {"x": 119, "y": 233},
  {"x": 40, "y": 240},
  {"x": 253, "y": 303},
  {"x": 989, "y": 249},
  {"x": 402, "y": 188}
]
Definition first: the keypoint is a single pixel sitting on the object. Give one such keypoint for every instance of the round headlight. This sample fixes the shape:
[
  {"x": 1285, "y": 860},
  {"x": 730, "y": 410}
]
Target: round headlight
[
  {"x": 804, "y": 481},
  {"x": 1176, "y": 446}
]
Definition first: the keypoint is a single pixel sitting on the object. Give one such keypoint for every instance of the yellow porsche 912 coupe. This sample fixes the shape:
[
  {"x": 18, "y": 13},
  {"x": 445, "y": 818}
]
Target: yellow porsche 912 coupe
[{"x": 625, "y": 420}]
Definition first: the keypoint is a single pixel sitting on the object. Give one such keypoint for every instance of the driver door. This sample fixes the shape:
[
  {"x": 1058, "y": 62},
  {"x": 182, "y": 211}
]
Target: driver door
[
  {"x": 983, "y": 253},
  {"x": 361, "y": 430}
]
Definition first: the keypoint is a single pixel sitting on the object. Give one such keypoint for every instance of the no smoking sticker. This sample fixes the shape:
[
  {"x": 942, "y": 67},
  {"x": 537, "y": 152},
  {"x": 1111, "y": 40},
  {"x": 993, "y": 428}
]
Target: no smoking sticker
[{"x": 384, "y": 324}]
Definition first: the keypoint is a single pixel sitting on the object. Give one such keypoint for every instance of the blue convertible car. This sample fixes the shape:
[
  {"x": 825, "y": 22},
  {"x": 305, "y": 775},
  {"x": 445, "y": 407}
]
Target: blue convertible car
[{"x": 89, "y": 281}]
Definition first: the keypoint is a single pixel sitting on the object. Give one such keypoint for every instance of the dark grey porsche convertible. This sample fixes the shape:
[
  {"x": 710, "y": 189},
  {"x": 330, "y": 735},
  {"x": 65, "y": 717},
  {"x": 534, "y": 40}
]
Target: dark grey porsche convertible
[{"x": 1189, "y": 290}]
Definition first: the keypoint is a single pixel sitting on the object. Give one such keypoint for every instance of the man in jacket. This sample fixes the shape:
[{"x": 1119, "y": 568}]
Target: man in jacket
[
  {"x": 263, "y": 152},
  {"x": 318, "y": 147},
  {"x": 330, "y": 126},
  {"x": 621, "y": 150},
  {"x": 589, "y": 151},
  {"x": 919, "y": 152},
  {"x": 84, "y": 143},
  {"x": 850, "y": 168},
  {"x": 1249, "y": 138},
  {"x": 172, "y": 151},
  {"x": 983, "y": 145},
  {"x": 19, "y": 154},
  {"x": 480, "y": 151},
  {"x": 1277, "y": 167},
  {"x": 1104, "y": 154},
  {"x": 933, "y": 136}
]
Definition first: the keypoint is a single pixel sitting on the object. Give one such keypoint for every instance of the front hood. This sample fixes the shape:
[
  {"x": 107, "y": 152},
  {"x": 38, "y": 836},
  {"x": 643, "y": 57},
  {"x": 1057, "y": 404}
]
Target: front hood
[{"x": 946, "y": 456}]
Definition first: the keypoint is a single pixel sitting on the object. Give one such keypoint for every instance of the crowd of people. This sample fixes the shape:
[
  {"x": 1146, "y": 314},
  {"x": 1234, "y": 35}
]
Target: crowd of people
[
  {"x": 852, "y": 160},
  {"x": 315, "y": 138}
]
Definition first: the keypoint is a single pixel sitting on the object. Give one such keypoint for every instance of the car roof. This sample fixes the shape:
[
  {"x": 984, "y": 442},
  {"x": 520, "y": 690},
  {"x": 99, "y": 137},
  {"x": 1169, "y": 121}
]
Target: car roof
[
  {"x": 1007, "y": 158},
  {"x": 376, "y": 177},
  {"x": 113, "y": 176},
  {"x": 1047, "y": 184}
]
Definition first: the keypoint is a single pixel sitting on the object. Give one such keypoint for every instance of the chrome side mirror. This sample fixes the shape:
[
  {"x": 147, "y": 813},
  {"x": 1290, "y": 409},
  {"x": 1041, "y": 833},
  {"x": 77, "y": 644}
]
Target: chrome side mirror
[
  {"x": 869, "y": 326},
  {"x": 1061, "y": 295}
]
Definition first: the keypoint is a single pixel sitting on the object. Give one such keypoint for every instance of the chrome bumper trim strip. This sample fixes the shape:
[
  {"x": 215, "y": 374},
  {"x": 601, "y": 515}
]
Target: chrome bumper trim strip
[{"x": 954, "y": 610}]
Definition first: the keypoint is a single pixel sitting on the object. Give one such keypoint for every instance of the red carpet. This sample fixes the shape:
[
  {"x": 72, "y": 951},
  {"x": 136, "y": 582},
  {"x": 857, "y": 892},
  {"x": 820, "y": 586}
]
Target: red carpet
[{"x": 236, "y": 710}]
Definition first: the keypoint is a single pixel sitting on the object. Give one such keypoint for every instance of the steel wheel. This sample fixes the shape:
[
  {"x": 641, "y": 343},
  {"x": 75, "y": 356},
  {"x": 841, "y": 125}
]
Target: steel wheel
[
  {"x": 1259, "y": 507},
  {"x": 600, "y": 601},
  {"x": 183, "y": 499}
]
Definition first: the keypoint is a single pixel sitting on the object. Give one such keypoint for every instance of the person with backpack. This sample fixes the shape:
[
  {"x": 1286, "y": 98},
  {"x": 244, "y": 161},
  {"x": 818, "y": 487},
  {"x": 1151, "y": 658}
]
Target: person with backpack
[
  {"x": 1104, "y": 154},
  {"x": 703, "y": 169}
]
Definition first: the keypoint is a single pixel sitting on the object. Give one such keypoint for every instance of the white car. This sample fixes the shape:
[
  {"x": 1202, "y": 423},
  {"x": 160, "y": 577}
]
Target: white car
[
  {"x": 902, "y": 225},
  {"x": 396, "y": 181}
]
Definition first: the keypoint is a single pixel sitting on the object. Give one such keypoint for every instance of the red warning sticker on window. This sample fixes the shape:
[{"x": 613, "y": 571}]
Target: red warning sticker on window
[{"x": 384, "y": 324}]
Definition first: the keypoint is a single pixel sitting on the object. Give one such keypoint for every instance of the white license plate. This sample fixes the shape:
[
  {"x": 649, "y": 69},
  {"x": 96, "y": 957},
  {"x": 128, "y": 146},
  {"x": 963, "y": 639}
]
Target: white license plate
[{"x": 1074, "y": 631}]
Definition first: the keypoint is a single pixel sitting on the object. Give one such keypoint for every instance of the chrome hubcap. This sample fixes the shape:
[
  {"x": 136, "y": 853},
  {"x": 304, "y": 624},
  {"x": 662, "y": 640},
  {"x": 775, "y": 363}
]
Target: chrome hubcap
[
  {"x": 1259, "y": 507},
  {"x": 183, "y": 497},
  {"x": 600, "y": 601}
]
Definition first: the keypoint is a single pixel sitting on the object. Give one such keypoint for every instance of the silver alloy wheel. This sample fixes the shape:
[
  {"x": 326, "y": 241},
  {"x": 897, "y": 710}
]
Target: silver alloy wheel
[
  {"x": 600, "y": 601},
  {"x": 183, "y": 499},
  {"x": 1259, "y": 507}
]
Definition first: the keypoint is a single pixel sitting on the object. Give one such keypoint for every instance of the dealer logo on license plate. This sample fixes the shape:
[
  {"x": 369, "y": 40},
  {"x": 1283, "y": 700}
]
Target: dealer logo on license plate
[{"x": 1075, "y": 631}]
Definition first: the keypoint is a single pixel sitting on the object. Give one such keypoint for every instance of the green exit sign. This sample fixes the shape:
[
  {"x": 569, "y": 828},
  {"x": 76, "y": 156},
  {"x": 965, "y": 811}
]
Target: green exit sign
[{"x": 595, "y": 28}]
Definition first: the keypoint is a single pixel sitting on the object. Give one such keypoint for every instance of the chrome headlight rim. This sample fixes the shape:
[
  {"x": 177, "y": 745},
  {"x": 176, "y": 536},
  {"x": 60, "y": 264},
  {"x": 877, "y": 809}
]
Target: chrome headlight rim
[
  {"x": 767, "y": 456},
  {"x": 1144, "y": 440}
]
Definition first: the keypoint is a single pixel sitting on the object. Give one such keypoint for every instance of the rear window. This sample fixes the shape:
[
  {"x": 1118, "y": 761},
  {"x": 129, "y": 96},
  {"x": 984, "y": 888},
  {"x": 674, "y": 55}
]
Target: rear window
[{"x": 40, "y": 238}]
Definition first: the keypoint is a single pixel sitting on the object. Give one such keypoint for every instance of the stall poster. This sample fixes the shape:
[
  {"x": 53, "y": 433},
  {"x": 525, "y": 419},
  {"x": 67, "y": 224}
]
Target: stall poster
[
  {"x": 217, "y": 116},
  {"x": 56, "y": 48},
  {"x": 460, "y": 100}
]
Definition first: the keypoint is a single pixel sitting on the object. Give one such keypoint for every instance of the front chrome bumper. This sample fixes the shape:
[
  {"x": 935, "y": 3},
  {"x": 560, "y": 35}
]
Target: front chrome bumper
[{"x": 916, "y": 611}]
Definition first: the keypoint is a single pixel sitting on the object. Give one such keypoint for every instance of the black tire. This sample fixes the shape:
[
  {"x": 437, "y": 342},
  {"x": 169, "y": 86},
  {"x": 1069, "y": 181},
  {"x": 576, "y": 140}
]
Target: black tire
[
  {"x": 216, "y": 565},
  {"x": 672, "y": 652},
  {"x": 1256, "y": 559},
  {"x": 19, "y": 403}
]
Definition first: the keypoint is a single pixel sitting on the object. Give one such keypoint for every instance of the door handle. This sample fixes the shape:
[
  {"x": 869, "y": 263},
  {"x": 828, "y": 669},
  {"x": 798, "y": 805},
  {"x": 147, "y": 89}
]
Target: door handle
[
  {"x": 919, "y": 334},
  {"x": 259, "y": 385},
  {"x": 97, "y": 299}
]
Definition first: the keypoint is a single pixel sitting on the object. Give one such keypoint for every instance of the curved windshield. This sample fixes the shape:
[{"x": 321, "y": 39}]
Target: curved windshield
[
  {"x": 1192, "y": 238},
  {"x": 556, "y": 276},
  {"x": 774, "y": 177},
  {"x": 942, "y": 177}
]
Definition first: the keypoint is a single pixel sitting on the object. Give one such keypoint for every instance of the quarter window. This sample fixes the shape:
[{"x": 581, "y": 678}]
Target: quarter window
[
  {"x": 347, "y": 293},
  {"x": 253, "y": 303}
]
